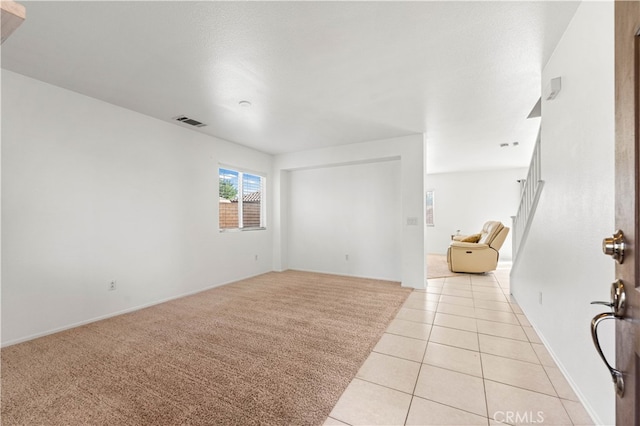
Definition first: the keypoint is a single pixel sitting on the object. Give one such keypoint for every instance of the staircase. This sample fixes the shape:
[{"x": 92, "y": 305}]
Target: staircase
[{"x": 531, "y": 189}]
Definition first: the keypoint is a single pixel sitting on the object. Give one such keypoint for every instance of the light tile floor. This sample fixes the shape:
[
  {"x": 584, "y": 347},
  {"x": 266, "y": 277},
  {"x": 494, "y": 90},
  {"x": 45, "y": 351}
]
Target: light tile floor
[{"x": 460, "y": 352}]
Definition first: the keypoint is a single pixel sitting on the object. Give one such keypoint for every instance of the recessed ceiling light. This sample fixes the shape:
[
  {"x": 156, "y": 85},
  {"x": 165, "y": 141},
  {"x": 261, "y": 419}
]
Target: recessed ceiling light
[
  {"x": 244, "y": 104},
  {"x": 515, "y": 143},
  {"x": 504, "y": 145}
]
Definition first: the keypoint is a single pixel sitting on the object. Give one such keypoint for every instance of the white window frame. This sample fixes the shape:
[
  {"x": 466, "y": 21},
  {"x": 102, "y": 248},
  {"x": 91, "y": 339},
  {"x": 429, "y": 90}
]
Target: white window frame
[{"x": 263, "y": 210}]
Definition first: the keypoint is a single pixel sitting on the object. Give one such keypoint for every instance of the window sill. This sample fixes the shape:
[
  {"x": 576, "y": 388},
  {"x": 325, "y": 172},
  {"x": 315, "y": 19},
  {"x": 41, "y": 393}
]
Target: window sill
[{"x": 242, "y": 229}]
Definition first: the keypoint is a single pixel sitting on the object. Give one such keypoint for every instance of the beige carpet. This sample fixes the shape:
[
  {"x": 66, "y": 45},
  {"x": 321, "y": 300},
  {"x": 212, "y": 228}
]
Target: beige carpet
[
  {"x": 275, "y": 349},
  {"x": 437, "y": 266}
]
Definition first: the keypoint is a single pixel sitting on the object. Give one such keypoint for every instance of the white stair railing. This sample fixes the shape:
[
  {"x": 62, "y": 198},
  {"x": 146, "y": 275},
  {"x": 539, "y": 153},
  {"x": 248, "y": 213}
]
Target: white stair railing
[{"x": 531, "y": 190}]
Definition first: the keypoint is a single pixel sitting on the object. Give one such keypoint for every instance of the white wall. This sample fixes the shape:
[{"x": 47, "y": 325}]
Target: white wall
[
  {"x": 91, "y": 193},
  {"x": 563, "y": 258},
  {"x": 410, "y": 152},
  {"x": 353, "y": 211},
  {"x": 466, "y": 200}
]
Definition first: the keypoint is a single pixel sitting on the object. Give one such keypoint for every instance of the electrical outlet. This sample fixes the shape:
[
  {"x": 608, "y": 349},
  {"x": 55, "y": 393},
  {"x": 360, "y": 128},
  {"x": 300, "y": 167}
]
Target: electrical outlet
[
  {"x": 256, "y": 258},
  {"x": 346, "y": 257},
  {"x": 112, "y": 285}
]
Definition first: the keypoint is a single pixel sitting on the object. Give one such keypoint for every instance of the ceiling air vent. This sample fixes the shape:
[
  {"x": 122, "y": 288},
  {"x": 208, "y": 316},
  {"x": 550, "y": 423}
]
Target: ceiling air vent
[{"x": 189, "y": 121}]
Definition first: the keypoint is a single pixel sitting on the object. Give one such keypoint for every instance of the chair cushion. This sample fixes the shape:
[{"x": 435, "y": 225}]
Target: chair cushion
[
  {"x": 474, "y": 238},
  {"x": 489, "y": 231}
]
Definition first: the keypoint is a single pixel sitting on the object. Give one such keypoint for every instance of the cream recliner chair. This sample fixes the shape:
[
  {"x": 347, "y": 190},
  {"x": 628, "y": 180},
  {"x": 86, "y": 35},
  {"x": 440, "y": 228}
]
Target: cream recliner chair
[{"x": 479, "y": 252}]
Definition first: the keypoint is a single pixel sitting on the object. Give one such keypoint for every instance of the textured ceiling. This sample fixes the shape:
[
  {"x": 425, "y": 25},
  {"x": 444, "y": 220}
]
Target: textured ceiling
[{"x": 317, "y": 74}]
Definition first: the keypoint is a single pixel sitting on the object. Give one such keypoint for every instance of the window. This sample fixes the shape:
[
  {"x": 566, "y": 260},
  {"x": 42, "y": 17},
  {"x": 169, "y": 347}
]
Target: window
[
  {"x": 241, "y": 200},
  {"x": 429, "y": 208}
]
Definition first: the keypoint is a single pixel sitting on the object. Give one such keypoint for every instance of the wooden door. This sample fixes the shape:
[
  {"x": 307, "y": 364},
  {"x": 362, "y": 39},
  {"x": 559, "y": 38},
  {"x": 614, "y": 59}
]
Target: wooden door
[{"x": 627, "y": 54}]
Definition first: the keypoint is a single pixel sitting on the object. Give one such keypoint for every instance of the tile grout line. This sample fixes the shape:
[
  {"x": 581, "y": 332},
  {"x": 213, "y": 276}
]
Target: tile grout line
[
  {"x": 522, "y": 388},
  {"x": 408, "y": 337},
  {"x": 448, "y": 369},
  {"x": 451, "y": 406},
  {"x": 484, "y": 383},
  {"x": 415, "y": 385},
  {"x": 395, "y": 356},
  {"x": 382, "y": 386}
]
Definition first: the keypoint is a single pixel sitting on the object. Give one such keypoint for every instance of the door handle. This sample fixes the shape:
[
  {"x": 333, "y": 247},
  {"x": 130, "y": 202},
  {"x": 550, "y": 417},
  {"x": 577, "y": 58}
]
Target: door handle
[
  {"x": 603, "y": 303},
  {"x": 616, "y": 375},
  {"x": 618, "y": 308},
  {"x": 618, "y": 302}
]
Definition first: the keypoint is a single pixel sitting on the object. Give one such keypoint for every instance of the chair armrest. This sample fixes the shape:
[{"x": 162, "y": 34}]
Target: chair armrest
[{"x": 474, "y": 246}]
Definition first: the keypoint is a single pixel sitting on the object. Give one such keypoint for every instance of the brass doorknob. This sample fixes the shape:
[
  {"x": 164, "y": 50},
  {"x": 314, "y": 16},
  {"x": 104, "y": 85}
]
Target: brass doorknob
[{"x": 614, "y": 246}]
